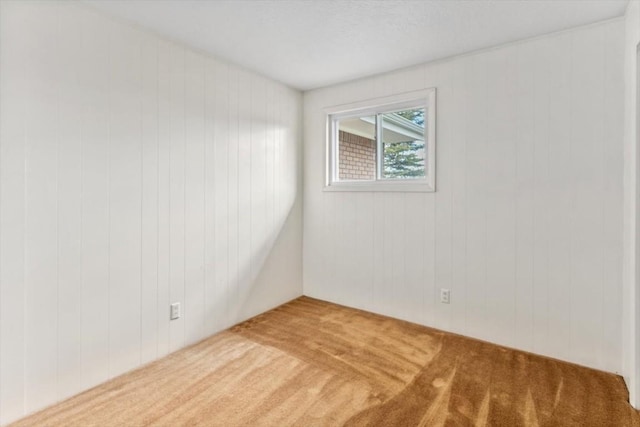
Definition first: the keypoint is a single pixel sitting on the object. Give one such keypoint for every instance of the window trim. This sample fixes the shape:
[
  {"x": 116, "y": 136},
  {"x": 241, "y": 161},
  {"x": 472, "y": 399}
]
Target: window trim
[{"x": 426, "y": 97}]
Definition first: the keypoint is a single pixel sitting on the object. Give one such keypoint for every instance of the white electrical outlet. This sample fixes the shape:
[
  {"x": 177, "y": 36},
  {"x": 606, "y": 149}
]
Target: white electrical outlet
[
  {"x": 445, "y": 296},
  {"x": 175, "y": 311}
]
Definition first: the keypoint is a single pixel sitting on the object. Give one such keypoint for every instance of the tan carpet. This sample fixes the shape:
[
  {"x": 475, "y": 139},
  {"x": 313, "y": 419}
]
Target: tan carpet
[{"x": 312, "y": 363}]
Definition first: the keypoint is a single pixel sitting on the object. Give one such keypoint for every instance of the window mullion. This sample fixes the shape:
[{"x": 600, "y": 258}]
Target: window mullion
[
  {"x": 379, "y": 147},
  {"x": 335, "y": 154}
]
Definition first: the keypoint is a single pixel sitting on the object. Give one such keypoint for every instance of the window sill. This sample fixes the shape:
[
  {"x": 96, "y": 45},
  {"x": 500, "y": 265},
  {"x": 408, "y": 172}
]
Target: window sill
[{"x": 402, "y": 187}]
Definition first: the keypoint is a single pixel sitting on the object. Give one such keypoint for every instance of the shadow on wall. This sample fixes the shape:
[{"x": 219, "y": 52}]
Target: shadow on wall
[
  {"x": 256, "y": 258},
  {"x": 260, "y": 282},
  {"x": 264, "y": 284}
]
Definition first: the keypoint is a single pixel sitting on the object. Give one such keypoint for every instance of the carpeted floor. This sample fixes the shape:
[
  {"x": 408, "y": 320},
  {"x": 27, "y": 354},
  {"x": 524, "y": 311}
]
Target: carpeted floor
[{"x": 312, "y": 363}]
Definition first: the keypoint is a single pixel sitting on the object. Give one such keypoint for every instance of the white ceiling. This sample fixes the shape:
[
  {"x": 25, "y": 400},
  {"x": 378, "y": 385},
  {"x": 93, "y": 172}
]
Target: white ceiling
[{"x": 308, "y": 44}]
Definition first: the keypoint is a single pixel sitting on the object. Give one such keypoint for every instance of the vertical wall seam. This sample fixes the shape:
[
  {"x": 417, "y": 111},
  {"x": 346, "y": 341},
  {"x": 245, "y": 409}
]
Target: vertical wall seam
[
  {"x": 81, "y": 204},
  {"x": 109, "y": 143},
  {"x": 572, "y": 206},
  {"x": 252, "y": 91},
  {"x": 238, "y": 283},
  {"x": 205, "y": 188},
  {"x": 57, "y": 191},
  {"x": 230, "y": 146},
  {"x": 603, "y": 205},
  {"x": 532, "y": 342},
  {"x": 171, "y": 148},
  {"x": 142, "y": 198},
  {"x": 157, "y": 319},
  {"x": 25, "y": 204},
  {"x": 453, "y": 198},
  {"x": 485, "y": 175},
  {"x": 516, "y": 221},
  {"x": 548, "y": 222},
  {"x": 184, "y": 194},
  {"x": 203, "y": 136}
]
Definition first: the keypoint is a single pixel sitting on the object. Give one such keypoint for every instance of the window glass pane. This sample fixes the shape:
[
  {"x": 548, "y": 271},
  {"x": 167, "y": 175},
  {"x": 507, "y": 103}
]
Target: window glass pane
[
  {"x": 403, "y": 144},
  {"x": 357, "y": 149}
]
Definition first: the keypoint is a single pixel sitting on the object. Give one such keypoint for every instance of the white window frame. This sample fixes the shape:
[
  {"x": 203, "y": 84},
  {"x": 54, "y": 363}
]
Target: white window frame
[{"x": 423, "y": 98}]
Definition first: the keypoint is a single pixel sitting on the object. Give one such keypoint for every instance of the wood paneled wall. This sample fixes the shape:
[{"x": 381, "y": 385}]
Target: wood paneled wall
[
  {"x": 525, "y": 227},
  {"x": 133, "y": 173}
]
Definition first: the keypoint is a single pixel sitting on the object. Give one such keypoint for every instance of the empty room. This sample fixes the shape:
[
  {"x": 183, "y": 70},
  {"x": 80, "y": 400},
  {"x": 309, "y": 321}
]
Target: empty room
[{"x": 319, "y": 213}]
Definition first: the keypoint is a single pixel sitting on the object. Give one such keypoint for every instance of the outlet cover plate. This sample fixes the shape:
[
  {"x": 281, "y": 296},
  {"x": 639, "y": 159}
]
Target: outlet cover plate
[
  {"x": 445, "y": 296},
  {"x": 175, "y": 311}
]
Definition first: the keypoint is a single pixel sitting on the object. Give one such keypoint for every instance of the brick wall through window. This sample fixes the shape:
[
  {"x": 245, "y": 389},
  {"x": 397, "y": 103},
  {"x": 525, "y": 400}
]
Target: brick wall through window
[{"x": 357, "y": 157}]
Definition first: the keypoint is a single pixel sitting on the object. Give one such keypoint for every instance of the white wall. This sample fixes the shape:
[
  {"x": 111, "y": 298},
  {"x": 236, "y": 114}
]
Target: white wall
[
  {"x": 526, "y": 225},
  {"x": 133, "y": 173},
  {"x": 631, "y": 319}
]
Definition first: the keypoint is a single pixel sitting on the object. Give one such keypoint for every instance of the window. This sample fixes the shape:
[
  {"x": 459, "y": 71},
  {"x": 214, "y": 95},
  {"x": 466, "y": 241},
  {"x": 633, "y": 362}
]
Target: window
[{"x": 386, "y": 144}]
